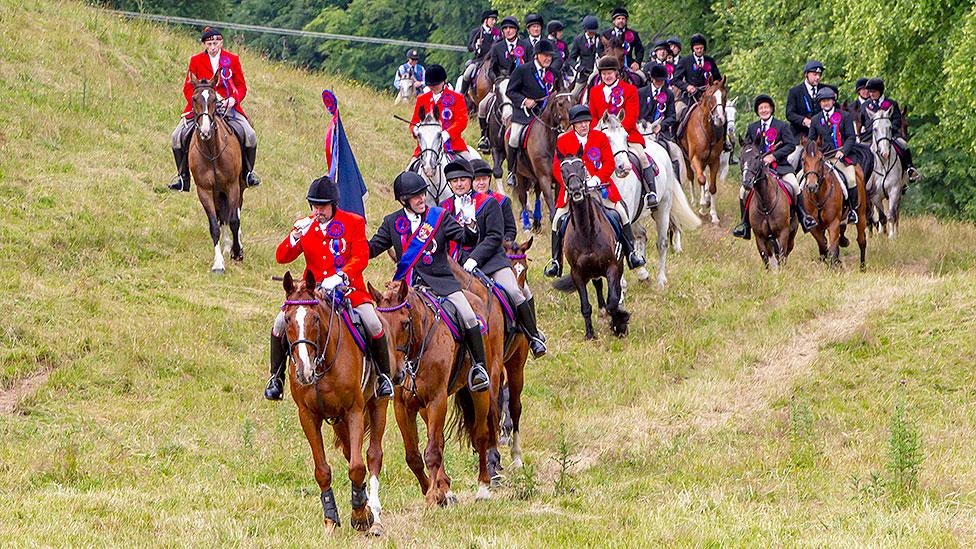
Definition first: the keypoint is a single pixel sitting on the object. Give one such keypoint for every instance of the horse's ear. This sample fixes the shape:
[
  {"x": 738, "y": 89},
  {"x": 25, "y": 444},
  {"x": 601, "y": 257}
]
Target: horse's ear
[
  {"x": 288, "y": 283},
  {"x": 373, "y": 292},
  {"x": 735, "y": 101},
  {"x": 214, "y": 79},
  {"x": 402, "y": 292},
  {"x": 423, "y": 113},
  {"x": 528, "y": 244},
  {"x": 819, "y": 142},
  {"x": 309, "y": 280},
  {"x": 436, "y": 113},
  {"x": 621, "y": 115}
]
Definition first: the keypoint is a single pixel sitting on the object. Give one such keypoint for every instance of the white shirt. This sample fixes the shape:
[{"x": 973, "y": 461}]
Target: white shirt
[
  {"x": 436, "y": 96},
  {"x": 699, "y": 61},
  {"x": 607, "y": 90},
  {"x": 764, "y": 125},
  {"x": 812, "y": 91},
  {"x": 511, "y": 44},
  {"x": 581, "y": 138},
  {"x": 828, "y": 114},
  {"x": 415, "y": 219},
  {"x": 214, "y": 62},
  {"x": 534, "y": 40}
]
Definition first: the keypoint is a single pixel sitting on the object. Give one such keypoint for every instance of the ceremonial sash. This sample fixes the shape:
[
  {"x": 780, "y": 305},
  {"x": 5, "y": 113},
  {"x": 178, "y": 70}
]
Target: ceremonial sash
[{"x": 418, "y": 242}]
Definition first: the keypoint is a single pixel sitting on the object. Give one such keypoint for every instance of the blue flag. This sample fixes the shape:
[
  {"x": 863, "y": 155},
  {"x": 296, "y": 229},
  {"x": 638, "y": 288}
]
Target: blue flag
[{"x": 341, "y": 161}]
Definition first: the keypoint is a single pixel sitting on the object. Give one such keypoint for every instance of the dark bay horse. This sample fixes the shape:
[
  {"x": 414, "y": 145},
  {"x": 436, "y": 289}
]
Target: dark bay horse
[
  {"x": 770, "y": 212},
  {"x": 823, "y": 196},
  {"x": 590, "y": 248},
  {"x": 331, "y": 381},
  {"x": 436, "y": 367},
  {"x": 702, "y": 141},
  {"x": 481, "y": 85},
  {"x": 215, "y": 163}
]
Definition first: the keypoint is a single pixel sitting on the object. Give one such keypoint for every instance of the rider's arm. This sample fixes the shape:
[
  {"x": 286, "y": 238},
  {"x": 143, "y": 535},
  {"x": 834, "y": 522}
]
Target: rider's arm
[
  {"x": 607, "y": 165},
  {"x": 848, "y": 135},
  {"x": 678, "y": 78},
  {"x": 574, "y": 50},
  {"x": 491, "y": 239},
  {"x": 793, "y": 108},
  {"x": 670, "y": 117},
  {"x": 631, "y": 110},
  {"x": 473, "y": 39},
  {"x": 415, "y": 119},
  {"x": 463, "y": 235},
  {"x": 288, "y": 252},
  {"x": 509, "y": 216},
  {"x": 787, "y": 145},
  {"x": 638, "y": 48},
  {"x": 716, "y": 74},
  {"x": 358, "y": 247},
  {"x": 382, "y": 240},
  {"x": 460, "y": 121},
  {"x": 514, "y": 90}
]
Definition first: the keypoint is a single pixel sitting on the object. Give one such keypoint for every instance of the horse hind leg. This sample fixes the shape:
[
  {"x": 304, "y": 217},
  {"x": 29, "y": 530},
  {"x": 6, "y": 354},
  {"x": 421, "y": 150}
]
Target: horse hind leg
[
  {"x": 374, "y": 461},
  {"x": 361, "y": 518},
  {"x": 406, "y": 417},
  {"x": 585, "y": 308},
  {"x": 618, "y": 317},
  {"x": 601, "y": 303},
  {"x": 640, "y": 245},
  {"x": 439, "y": 492},
  {"x": 237, "y": 248}
]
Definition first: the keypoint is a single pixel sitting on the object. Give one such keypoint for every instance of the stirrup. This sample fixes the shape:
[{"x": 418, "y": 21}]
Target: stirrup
[
  {"x": 537, "y": 346},
  {"x": 384, "y": 387},
  {"x": 650, "y": 200},
  {"x": 741, "y": 231},
  {"x": 852, "y": 217},
  {"x": 252, "y": 179},
  {"x": 913, "y": 174},
  {"x": 635, "y": 260},
  {"x": 484, "y": 145},
  {"x": 275, "y": 389},
  {"x": 474, "y": 384},
  {"x": 177, "y": 184},
  {"x": 553, "y": 269}
]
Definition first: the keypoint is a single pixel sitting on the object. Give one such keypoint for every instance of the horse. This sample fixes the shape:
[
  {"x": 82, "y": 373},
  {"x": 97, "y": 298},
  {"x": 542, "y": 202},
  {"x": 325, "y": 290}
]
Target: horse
[
  {"x": 616, "y": 47},
  {"x": 481, "y": 86},
  {"x": 434, "y": 157},
  {"x": 435, "y": 367},
  {"x": 702, "y": 140},
  {"x": 673, "y": 213},
  {"x": 590, "y": 249},
  {"x": 770, "y": 212},
  {"x": 534, "y": 169},
  {"x": 215, "y": 163},
  {"x": 888, "y": 178},
  {"x": 332, "y": 381},
  {"x": 726, "y": 158},
  {"x": 406, "y": 91},
  {"x": 823, "y": 195}
]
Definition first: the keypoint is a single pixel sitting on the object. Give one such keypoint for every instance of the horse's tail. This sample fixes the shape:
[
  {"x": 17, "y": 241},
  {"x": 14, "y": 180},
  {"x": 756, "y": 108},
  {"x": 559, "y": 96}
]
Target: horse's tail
[
  {"x": 681, "y": 213},
  {"x": 463, "y": 417},
  {"x": 564, "y": 284},
  {"x": 222, "y": 205}
]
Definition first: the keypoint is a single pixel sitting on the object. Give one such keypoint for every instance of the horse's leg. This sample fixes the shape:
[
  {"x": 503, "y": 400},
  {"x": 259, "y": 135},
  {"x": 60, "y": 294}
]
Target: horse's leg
[
  {"x": 894, "y": 202},
  {"x": 640, "y": 244},
  {"x": 439, "y": 491},
  {"x": 601, "y": 304},
  {"x": 834, "y": 231},
  {"x": 237, "y": 248},
  {"x": 523, "y": 195},
  {"x": 618, "y": 316},
  {"x": 663, "y": 220},
  {"x": 713, "y": 190},
  {"x": 516, "y": 381},
  {"x": 312, "y": 426},
  {"x": 374, "y": 460},
  {"x": 406, "y": 416},
  {"x": 480, "y": 436},
  {"x": 545, "y": 185},
  {"x": 361, "y": 518},
  {"x": 821, "y": 238},
  {"x": 585, "y": 309},
  {"x": 209, "y": 208}
]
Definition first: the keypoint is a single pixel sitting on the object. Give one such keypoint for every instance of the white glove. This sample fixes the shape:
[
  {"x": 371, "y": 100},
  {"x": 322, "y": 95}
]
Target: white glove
[
  {"x": 467, "y": 210},
  {"x": 445, "y": 136},
  {"x": 593, "y": 182},
  {"x": 413, "y": 130},
  {"x": 331, "y": 282},
  {"x": 301, "y": 227},
  {"x": 470, "y": 264}
]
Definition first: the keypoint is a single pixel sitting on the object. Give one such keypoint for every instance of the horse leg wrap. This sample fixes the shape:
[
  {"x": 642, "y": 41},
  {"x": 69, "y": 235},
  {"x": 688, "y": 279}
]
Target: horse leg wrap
[
  {"x": 329, "y": 507},
  {"x": 358, "y": 496}
]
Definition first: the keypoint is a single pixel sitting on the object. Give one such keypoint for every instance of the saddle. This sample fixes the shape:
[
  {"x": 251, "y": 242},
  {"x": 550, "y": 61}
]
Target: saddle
[
  {"x": 523, "y": 136},
  {"x": 502, "y": 296},
  {"x": 683, "y": 123},
  {"x": 783, "y": 187},
  {"x": 447, "y": 313},
  {"x": 351, "y": 319},
  {"x": 613, "y": 217}
]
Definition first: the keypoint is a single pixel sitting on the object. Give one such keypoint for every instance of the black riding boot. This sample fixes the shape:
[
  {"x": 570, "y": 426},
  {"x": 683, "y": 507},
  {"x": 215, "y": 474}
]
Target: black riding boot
[
  {"x": 807, "y": 221},
  {"x": 910, "y": 169},
  {"x": 634, "y": 259},
  {"x": 555, "y": 267},
  {"x": 650, "y": 198},
  {"x": 511, "y": 154},
  {"x": 279, "y": 359},
  {"x": 727, "y": 144},
  {"x": 465, "y": 83},
  {"x": 526, "y": 317},
  {"x": 381, "y": 357},
  {"x": 742, "y": 230},
  {"x": 531, "y": 302},
  {"x": 478, "y": 376},
  {"x": 252, "y": 178},
  {"x": 852, "y": 203},
  {"x": 483, "y": 144},
  {"x": 182, "y": 180}
]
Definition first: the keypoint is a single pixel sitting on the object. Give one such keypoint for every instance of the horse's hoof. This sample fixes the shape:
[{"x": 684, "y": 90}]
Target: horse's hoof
[
  {"x": 361, "y": 523},
  {"x": 450, "y": 499},
  {"x": 715, "y": 220},
  {"x": 238, "y": 257},
  {"x": 376, "y": 530},
  {"x": 517, "y": 463},
  {"x": 642, "y": 274},
  {"x": 217, "y": 271},
  {"x": 505, "y": 440},
  {"x": 497, "y": 480},
  {"x": 330, "y": 526},
  {"x": 590, "y": 337},
  {"x": 483, "y": 493}
]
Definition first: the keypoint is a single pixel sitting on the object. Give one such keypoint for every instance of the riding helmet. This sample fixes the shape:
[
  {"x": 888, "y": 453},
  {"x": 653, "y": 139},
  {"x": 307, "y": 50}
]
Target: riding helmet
[
  {"x": 608, "y": 63},
  {"x": 509, "y": 21},
  {"x": 414, "y": 55},
  {"x": 458, "y": 168},
  {"x": 435, "y": 75},
  {"x": 209, "y": 32},
  {"x": 580, "y": 113},
  {"x": 760, "y": 99},
  {"x": 533, "y": 19},
  {"x": 489, "y": 14},
  {"x": 826, "y": 92},
  {"x": 658, "y": 72},
  {"x": 813, "y": 66},
  {"x": 591, "y": 24},
  {"x": 860, "y": 83},
  {"x": 661, "y": 45},
  {"x": 674, "y": 41},
  {"x": 698, "y": 38},
  {"x": 544, "y": 47},
  {"x": 408, "y": 184},
  {"x": 618, "y": 11},
  {"x": 323, "y": 191},
  {"x": 480, "y": 167},
  {"x": 875, "y": 84},
  {"x": 554, "y": 26}
]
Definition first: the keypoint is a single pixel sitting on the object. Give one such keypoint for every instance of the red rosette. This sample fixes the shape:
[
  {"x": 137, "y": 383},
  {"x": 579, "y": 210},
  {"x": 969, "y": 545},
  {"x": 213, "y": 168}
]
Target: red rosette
[
  {"x": 560, "y": 46},
  {"x": 447, "y": 100},
  {"x": 629, "y": 36},
  {"x": 427, "y": 259},
  {"x": 886, "y": 104},
  {"x": 662, "y": 98},
  {"x": 225, "y": 62},
  {"x": 338, "y": 261},
  {"x": 549, "y": 79},
  {"x": 495, "y": 32},
  {"x": 617, "y": 101},
  {"x": 402, "y": 225},
  {"x": 446, "y": 114},
  {"x": 835, "y": 118},
  {"x": 519, "y": 51},
  {"x": 335, "y": 229},
  {"x": 613, "y": 109},
  {"x": 330, "y": 102},
  {"x": 616, "y": 91},
  {"x": 593, "y": 154},
  {"x": 707, "y": 66},
  {"x": 771, "y": 135},
  {"x": 670, "y": 68}
]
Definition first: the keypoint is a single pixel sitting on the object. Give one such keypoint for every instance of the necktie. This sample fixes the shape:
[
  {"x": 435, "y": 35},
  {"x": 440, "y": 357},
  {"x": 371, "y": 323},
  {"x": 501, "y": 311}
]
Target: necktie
[
  {"x": 813, "y": 92},
  {"x": 763, "y": 128}
]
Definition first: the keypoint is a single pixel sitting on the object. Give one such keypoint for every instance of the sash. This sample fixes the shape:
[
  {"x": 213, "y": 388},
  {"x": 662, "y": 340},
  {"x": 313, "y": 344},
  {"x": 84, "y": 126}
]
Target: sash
[{"x": 418, "y": 242}]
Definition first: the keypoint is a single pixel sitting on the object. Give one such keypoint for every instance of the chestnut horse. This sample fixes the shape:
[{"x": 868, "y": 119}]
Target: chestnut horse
[
  {"x": 702, "y": 141},
  {"x": 332, "y": 381},
  {"x": 823, "y": 196},
  {"x": 590, "y": 248},
  {"x": 770, "y": 212},
  {"x": 215, "y": 163},
  {"x": 436, "y": 367}
]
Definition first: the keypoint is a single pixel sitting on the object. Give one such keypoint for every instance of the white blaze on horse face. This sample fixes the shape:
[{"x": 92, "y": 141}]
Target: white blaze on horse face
[
  {"x": 719, "y": 108},
  {"x": 730, "y": 112},
  {"x": 303, "y": 347},
  {"x": 205, "y": 117}
]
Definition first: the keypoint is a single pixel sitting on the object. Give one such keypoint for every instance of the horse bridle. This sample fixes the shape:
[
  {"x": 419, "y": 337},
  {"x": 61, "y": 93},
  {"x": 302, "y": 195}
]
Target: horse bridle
[
  {"x": 411, "y": 363},
  {"x": 318, "y": 371},
  {"x": 576, "y": 195}
]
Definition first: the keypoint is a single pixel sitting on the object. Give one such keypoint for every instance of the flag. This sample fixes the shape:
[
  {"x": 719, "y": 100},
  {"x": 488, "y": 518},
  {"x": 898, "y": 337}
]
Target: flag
[{"x": 341, "y": 162}]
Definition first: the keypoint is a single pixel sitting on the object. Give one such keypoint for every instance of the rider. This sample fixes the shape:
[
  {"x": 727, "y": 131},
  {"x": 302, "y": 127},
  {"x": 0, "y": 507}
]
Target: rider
[
  {"x": 801, "y": 103},
  {"x": 693, "y": 74},
  {"x": 231, "y": 88},
  {"x": 482, "y": 184},
  {"x": 776, "y": 140},
  {"x": 320, "y": 235},
  {"x": 863, "y": 95},
  {"x": 633, "y": 46},
  {"x": 583, "y": 52},
  {"x": 530, "y": 86},
  {"x": 593, "y": 147},
  {"x": 878, "y": 100},
  {"x": 450, "y": 107},
  {"x": 674, "y": 43},
  {"x": 488, "y": 255},
  {"x": 420, "y": 237},
  {"x": 411, "y": 70},
  {"x": 533, "y": 29},
  {"x": 657, "y": 107},
  {"x": 480, "y": 42},
  {"x": 836, "y": 129},
  {"x": 660, "y": 57},
  {"x": 506, "y": 54},
  {"x": 613, "y": 95},
  {"x": 554, "y": 34}
]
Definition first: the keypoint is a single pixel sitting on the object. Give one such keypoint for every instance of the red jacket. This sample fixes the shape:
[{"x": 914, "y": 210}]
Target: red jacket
[
  {"x": 453, "y": 112},
  {"x": 347, "y": 232},
  {"x": 200, "y": 68},
  {"x": 597, "y": 157},
  {"x": 627, "y": 100}
]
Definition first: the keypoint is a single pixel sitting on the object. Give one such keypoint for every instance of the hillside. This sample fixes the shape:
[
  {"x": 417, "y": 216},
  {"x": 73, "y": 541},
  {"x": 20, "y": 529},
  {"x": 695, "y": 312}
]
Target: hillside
[{"x": 745, "y": 407}]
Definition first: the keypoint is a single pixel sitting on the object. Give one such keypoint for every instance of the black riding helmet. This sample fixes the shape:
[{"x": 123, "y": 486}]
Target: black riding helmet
[
  {"x": 658, "y": 72},
  {"x": 488, "y": 14},
  {"x": 813, "y": 66},
  {"x": 826, "y": 92},
  {"x": 323, "y": 191},
  {"x": 210, "y": 32},
  {"x": 590, "y": 23},
  {"x": 481, "y": 168},
  {"x": 580, "y": 113},
  {"x": 860, "y": 83},
  {"x": 674, "y": 41},
  {"x": 509, "y": 21},
  {"x": 618, "y": 11},
  {"x": 608, "y": 63},
  {"x": 760, "y": 99},
  {"x": 554, "y": 26},
  {"x": 698, "y": 38},
  {"x": 435, "y": 75},
  {"x": 408, "y": 184},
  {"x": 457, "y": 169},
  {"x": 413, "y": 54},
  {"x": 661, "y": 45},
  {"x": 533, "y": 19},
  {"x": 875, "y": 84},
  {"x": 544, "y": 47}
]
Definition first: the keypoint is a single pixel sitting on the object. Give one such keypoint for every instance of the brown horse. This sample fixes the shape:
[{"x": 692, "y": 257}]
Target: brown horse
[
  {"x": 331, "y": 381},
  {"x": 481, "y": 86},
  {"x": 823, "y": 195},
  {"x": 702, "y": 140},
  {"x": 591, "y": 249},
  {"x": 215, "y": 163},
  {"x": 770, "y": 213},
  {"x": 435, "y": 368},
  {"x": 615, "y": 47}
]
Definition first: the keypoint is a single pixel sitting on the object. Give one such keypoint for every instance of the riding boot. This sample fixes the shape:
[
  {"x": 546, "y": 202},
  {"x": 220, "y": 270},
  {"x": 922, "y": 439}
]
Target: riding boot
[
  {"x": 511, "y": 153},
  {"x": 526, "y": 318},
  {"x": 650, "y": 198},
  {"x": 555, "y": 267},
  {"x": 807, "y": 221},
  {"x": 465, "y": 84},
  {"x": 531, "y": 302},
  {"x": 852, "y": 203},
  {"x": 742, "y": 230},
  {"x": 379, "y": 350},
  {"x": 252, "y": 178},
  {"x": 634, "y": 259},
  {"x": 182, "y": 180},
  {"x": 478, "y": 375},
  {"x": 911, "y": 170},
  {"x": 279, "y": 359},
  {"x": 727, "y": 143},
  {"x": 483, "y": 144}
]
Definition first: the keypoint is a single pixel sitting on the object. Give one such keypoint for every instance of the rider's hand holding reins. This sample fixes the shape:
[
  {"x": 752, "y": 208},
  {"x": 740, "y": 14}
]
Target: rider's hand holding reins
[
  {"x": 528, "y": 103},
  {"x": 593, "y": 182},
  {"x": 330, "y": 282},
  {"x": 470, "y": 264}
]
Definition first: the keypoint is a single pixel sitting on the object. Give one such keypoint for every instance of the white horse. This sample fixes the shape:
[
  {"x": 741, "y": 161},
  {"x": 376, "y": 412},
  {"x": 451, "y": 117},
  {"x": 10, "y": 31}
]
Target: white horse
[
  {"x": 888, "y": 179},
  {"x": 730, "y": 112},
  {"x": 673, "y": 213},
  {"x": 433, "y": 158},
  {"x": 406, "y": 91}
]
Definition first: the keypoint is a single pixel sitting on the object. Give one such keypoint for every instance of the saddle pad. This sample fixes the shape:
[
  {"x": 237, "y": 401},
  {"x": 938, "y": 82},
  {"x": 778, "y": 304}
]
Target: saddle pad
[
  {"x": 615, "y": 222},
  {"x": 684, "y": 121},
  {"x": 355, "y": 325},
  {"x": 502, "y": 295}
]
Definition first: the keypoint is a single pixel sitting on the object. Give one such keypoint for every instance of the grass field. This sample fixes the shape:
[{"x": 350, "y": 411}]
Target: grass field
[{"x": 805, "y": 407}]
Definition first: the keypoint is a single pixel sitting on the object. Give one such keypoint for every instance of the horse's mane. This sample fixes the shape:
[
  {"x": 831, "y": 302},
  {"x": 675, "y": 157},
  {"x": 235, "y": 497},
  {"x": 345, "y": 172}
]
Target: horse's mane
[{"x": 811, "y": 147}]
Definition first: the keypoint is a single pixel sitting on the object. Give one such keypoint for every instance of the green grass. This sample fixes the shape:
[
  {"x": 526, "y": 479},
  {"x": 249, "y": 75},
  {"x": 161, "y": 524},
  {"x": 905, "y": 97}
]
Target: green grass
[{"x": 152, "y": 430}]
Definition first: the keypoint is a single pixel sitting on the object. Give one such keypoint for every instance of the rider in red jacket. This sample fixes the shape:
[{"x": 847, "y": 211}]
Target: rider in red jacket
[{"x": 449, "y": 107}]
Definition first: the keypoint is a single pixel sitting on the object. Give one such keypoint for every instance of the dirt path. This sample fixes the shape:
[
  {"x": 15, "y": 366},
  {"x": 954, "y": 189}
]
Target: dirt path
[{"x": 22, "y": 388}]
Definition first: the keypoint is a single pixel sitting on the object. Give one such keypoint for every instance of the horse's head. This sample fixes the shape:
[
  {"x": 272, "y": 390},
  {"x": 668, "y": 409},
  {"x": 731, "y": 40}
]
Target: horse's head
[
  {"x": 393, "y": 304},
  {"x": 730, "y": 113},
  {"x": 574, "y": 176},
  {"x": 713, "y": 101},
  {"x": 612, "y": 126},
  {"x": 520, "y": 261},
  {"x": 881, "y": 131},
  {"x": 431, "y": 142},
  {"x": 303, "y": 326},
  {"x": 750, "y": 162},
  {"x": 204, "y": 101},
  {"x": 813, "y": 165},
  {"x": 615, "y": 46},
  {"x": 560, "y": 104}
]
